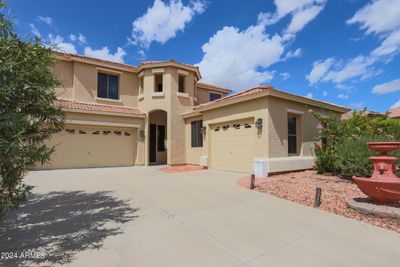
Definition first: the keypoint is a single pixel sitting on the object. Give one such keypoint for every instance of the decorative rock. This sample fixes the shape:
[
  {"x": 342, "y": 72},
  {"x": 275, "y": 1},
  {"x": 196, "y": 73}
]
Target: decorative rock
[{"x": 366, "y": 206}]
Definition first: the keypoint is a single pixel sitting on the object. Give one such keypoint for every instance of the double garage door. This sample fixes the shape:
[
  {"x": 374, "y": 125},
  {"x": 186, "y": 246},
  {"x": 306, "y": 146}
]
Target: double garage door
[
  {"x": 233, "y": 145},
  {"x": 84, "y": 146}
]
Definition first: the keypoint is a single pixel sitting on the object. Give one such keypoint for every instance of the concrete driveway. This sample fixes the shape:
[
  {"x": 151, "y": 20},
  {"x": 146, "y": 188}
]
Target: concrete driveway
[{"x": 138, "y": 216}]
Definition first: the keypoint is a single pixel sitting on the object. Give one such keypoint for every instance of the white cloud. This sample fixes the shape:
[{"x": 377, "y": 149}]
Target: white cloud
[
  {"x": 344, "y": 87},
  {"x": 293, "y": 54},
  {"x": 343, "y": 96},
  {"x": 378, "y": 16},
  {"x": 285, "y": 7},
  {"x": 238, "y": 59},
  {"x": 390, "y": 46},
  {"x": 105, "y": 54},
  {"x": 34, "y": 30},
  {"x": 285, "y": 75},
  {"x": 309, "y": 95},
  {"x": 57, "y": 43},
  {"x": 320, "y": 68},
  {"x": 302, "y": 17},
  {"x": 80, "y": 38},
  {"x": 47, "y": 20},
  {"x": 359, "y": 66},
  {"x": 395, "y": 105},
  {"x": 324, "y": 93},
  {"x": 389, "y": 87},
  {"x": 162, "y": 21}
]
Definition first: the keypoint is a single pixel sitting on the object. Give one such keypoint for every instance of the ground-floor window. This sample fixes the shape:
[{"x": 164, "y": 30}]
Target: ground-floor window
[
  {"x": 292, "y": 135},
  {"x": 197, "y": 137}
]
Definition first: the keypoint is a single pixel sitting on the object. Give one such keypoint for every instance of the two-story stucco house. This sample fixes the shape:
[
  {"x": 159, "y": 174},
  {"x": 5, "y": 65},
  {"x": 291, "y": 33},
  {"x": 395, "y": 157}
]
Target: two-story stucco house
[{"x": 159, "y": 113}]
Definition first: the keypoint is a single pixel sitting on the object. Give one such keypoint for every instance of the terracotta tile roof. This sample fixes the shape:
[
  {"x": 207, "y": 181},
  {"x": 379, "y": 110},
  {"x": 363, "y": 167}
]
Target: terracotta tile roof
[
  {"x": 212, "y": 87},
  {"x": 252, "y": 91},
  {"x": 97, "y": 60},
  {"x": 394, "y": 113},
  {"x": 68, "y": 104},
  {"x": 166, "y": 61}
]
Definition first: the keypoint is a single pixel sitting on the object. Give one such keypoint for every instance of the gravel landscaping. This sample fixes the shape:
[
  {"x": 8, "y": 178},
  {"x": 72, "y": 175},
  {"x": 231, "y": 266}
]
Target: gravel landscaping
[{"x": 300, "y": 187}]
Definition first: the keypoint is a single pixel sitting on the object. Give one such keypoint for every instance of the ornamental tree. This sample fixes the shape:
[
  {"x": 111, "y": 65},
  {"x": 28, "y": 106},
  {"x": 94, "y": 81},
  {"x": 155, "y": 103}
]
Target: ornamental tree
[{"x": 27, "y": 114}]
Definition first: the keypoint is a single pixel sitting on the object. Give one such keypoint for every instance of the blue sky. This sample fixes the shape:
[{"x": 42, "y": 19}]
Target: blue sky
[{"x": 345, "y": 52}]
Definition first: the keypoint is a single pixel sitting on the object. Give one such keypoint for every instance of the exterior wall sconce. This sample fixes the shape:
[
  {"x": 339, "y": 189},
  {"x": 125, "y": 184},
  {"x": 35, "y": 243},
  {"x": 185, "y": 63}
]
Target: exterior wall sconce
[
  {"x": 141, "y": 134},
  {"x": 259, "y": 123}
]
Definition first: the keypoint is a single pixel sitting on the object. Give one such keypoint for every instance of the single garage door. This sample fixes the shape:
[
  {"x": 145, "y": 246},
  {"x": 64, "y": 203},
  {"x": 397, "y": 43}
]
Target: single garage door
[
  {"x": 232, "y": 146},
  {"x": 83, "y": 147}
]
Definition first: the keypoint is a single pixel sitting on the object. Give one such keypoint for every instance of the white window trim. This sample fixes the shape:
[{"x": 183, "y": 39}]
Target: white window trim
[
  {"x": 105, "y": 71},
  {"x": 140, "y": 97},
  {"x": 185, "y": 95},
  {"x": 293, "y": 111},
  {"x": 157, "y": 94},
  {"x": 102, "y": 99}
]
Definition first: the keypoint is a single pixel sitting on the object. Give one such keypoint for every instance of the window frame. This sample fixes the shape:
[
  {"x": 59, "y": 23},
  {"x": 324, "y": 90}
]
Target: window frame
[
  {"x": 156, "y": 84},
  {"x": 291, "y": 135},
  {"x": 196, "y": 134},
  {"x": 183, "y": 77},
  {"x": 108, "y": 85},
  {"x": 141, "y": 85},
  {"x": 214, "y": 93}
]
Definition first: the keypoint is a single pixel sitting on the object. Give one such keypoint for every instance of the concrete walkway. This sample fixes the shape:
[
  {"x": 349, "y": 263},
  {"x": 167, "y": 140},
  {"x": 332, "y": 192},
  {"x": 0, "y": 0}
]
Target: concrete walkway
[{"x": 138, "y": 216}]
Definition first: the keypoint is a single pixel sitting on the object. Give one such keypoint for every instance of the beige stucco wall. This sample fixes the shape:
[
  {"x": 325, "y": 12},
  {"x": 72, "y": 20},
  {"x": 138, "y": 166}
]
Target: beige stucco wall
[
  {"x": 173, "y": 104},
  {"x": 64, "y": 70},
  {"x": 193, "y": 154},
  {"x": 252, "y": 109},
  {"x": 203, "y": 95},
  {"x": 80, "y": 80},
  {"x": 278, "y": 110}
]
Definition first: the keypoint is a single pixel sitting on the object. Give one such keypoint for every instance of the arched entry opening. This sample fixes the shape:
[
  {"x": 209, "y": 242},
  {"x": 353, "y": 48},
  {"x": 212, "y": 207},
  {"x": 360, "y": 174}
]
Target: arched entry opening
[{"x": 157, "y": 137}]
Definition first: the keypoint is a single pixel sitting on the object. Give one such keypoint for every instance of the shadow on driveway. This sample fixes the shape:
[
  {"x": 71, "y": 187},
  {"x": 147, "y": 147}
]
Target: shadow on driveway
[{"x": 61, "y": 224}]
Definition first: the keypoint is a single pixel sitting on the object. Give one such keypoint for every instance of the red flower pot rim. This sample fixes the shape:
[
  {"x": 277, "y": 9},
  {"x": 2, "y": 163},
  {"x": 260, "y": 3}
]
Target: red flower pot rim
[
  {"x": 384, "y": 147},
  {"x": 384, "y": 143}
]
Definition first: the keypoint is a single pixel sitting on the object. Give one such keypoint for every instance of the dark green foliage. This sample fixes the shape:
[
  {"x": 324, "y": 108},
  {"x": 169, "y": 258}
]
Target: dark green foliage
[
  {"x": 27, "y": 114},
  {"x": 345, "y": 152}
]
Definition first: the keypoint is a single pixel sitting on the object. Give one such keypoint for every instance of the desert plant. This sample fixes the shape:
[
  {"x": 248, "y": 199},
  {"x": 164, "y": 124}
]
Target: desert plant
[
  {"x": 27, "y": 114},
  {"x": 344, "y": 149}
]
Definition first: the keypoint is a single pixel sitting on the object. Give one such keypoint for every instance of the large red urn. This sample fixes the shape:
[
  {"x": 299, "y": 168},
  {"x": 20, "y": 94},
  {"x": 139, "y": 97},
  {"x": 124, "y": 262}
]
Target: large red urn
[{"x": 384, "y": 186}]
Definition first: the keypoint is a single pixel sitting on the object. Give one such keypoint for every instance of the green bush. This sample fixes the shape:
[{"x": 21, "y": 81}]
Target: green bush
[
  {"x": 344, "y": 150},
  {"x": 27, "y": 114}
]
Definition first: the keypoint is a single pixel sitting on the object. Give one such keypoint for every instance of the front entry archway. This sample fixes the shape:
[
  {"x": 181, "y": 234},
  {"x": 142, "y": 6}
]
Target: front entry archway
[{"x": 157, "y": 137}]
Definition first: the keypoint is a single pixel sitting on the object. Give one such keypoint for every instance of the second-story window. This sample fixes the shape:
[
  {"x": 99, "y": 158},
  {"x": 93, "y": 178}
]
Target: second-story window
[
  {"x": 141, "y": 85},
  {"x": 107, "y": 86},
  {"x": 158, "y": 83},
  {"x": 214, "y": 96},
  {"x": 181, "y": 84}
]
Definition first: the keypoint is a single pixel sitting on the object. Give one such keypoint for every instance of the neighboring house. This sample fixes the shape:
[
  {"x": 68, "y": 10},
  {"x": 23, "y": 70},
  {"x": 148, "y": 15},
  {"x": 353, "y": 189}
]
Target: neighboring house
[
  {"x": 158, "y": 113},
  {"x": 368, "y": 113},
  {"x": 394, "y": 113}
]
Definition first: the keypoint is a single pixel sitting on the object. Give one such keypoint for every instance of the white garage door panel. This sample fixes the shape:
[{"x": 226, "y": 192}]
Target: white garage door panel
[
  {"x": 233, "y": 149},
  {"x": 81, "y": 147}
]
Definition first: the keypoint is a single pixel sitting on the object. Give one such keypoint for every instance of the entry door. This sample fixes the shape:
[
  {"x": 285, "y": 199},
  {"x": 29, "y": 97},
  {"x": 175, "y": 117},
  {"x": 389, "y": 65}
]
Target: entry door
[{"x": 153, "y": 143}]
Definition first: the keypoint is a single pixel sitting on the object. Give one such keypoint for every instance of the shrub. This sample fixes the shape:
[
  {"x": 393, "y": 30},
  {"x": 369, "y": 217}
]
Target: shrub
[
  {"x": 344, "y": 150},
  {"x": 27, "y": 115}
]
